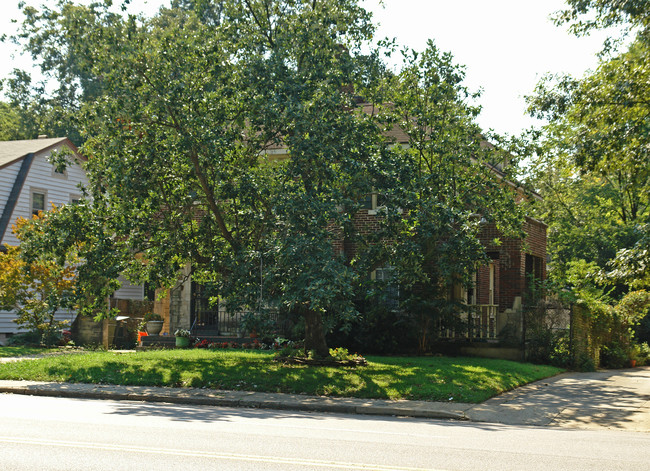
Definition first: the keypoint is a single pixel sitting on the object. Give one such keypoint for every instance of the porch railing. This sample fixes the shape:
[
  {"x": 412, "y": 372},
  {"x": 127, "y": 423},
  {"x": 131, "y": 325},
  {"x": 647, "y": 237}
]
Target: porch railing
[{"x": 479, "y": 322}]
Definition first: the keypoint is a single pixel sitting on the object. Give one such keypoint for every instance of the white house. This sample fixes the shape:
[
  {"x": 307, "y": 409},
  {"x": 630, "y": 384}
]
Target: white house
[{"x": 29, "y": 183}]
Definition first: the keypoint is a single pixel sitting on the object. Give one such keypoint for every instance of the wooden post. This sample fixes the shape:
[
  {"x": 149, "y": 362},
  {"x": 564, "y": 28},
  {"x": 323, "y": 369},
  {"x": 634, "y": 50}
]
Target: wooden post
[
  {"x": 105, "y": 323},
  {"x": 105, "y": 333}
]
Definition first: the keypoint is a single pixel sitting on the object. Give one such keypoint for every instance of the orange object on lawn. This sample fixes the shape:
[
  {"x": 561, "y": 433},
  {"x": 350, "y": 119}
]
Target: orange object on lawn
[{"x": 141, "y": 334}]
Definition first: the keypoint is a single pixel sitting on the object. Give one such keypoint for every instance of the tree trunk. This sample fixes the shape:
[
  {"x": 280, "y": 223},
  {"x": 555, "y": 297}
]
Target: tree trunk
[{"x": 315, "y": 333}]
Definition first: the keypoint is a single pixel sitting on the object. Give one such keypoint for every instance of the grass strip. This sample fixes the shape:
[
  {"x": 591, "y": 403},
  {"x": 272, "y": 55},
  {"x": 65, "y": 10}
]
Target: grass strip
[
  {"x": 7, "y": 352},
  {"x": 457, "y": 379}
]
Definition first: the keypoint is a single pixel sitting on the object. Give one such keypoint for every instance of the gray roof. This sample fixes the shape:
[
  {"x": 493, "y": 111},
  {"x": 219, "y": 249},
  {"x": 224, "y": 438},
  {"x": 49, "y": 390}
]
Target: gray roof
[{"x": 10, "y": 151}]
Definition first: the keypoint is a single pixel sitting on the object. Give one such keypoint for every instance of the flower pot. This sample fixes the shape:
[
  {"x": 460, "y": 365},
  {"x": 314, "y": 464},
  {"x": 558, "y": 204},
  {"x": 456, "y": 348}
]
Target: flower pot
[
  {"x": 154, "y": 327},
  {"x": 182, "y": 342},
  {"x": 632, "y": 363}
]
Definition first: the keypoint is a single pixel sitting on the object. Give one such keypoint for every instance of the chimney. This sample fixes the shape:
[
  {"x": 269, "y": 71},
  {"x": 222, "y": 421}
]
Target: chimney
[{"x": 42, "y": 136}]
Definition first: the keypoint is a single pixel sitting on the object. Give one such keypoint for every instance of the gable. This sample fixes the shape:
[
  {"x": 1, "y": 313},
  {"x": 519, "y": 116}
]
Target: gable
[{"x": 23, "y": 175}]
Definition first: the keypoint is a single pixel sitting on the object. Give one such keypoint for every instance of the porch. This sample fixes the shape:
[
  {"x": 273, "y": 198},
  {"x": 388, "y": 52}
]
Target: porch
[{"x": 479, "y": 322}]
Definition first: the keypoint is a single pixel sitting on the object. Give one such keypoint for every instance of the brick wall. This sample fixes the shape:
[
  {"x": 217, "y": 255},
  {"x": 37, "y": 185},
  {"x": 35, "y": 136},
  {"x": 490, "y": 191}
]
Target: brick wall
[{"x": 508, "y": 256}]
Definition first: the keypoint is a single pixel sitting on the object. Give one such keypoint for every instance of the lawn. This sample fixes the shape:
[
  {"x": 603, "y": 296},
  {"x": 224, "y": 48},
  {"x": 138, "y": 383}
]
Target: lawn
[
  {"x": 457, "y": 379},
  {"x": 6, "y": 352}
]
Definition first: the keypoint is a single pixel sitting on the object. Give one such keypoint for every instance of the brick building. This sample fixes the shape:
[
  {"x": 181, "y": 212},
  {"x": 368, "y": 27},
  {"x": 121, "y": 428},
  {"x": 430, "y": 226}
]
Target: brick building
[{"x": 494, "y": 303}]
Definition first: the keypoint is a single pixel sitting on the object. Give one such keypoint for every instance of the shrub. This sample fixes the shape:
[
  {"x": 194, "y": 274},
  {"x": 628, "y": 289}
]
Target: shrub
[
  {"x": 377, "y": 330},
  {"x": 25, "y": 339},
  {"x": 614, "y": 356}
]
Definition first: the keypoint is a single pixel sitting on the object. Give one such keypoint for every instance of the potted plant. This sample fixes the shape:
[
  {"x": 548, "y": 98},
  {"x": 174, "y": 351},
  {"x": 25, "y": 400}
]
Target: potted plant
[
  {"x": 182, "y": 338},
  {"x": 153, "y": 323}
]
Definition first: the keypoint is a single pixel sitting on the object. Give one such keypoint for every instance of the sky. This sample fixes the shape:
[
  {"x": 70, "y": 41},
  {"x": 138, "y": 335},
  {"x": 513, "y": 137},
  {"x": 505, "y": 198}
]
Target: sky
[{"x": 505, "y": 45}]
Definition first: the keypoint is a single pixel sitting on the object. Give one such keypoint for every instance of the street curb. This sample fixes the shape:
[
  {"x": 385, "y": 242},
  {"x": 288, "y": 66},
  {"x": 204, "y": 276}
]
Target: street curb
[{"x": 243, "y": 399}]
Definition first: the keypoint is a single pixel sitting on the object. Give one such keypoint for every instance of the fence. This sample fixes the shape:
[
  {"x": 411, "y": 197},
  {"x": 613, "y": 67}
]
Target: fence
[
  {"x": 477, "y": 323},
  {"x": 551, "y": 332}
]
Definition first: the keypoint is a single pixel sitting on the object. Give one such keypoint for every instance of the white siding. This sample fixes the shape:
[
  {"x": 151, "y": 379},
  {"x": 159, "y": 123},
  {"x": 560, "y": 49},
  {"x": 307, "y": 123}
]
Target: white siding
[
  {"x": 7, "y": 178},
  {"x": 129, "y": 291},
  {"x": 41, "y": 176},
  {"x": 59, "y": 191},
  {"x": 8, "y": 326}
]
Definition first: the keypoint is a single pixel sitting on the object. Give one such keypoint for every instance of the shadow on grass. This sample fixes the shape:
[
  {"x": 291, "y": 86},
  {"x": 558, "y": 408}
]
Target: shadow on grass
[{"x": 432, "y": 379}]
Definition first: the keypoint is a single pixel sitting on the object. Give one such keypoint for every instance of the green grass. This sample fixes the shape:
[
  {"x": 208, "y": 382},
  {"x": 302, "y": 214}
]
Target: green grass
[
  {"x": 6, "y": 352},
  {"x": 423, "y": 378}
]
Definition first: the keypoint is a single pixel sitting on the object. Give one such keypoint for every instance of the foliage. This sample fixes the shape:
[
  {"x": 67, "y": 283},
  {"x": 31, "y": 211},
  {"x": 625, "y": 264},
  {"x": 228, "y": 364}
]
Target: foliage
[
  {"x": 431, "y": 219},
  {"x": 614, "y": 355},
  {"x": 261, "y": 324},
  {"x": 9, "y": 123},
  {"x": 150, "y": 316},
  {"x": 30, "y": 338},
  {"x": 426, "y": 378},
  {"x": 182, "y": 333},
  {"x": 640, "y": 353},
  {"x": 378, "y": 330},
  {"x": 609, "y": 327},
  {"x": 183, "y": 133},
  {"x": 36, "y": 289},
  {"x": 342, "y": 354},
  {"x": 631, "y": 264},
  {"x": 593, "y": 166},
  {"x": 76, "y": 235},
  {"x": 587, "y": 15}
]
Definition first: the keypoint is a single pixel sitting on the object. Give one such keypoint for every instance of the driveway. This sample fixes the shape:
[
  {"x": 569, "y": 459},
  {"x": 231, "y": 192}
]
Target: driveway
[{"x": 607, "y": 399}]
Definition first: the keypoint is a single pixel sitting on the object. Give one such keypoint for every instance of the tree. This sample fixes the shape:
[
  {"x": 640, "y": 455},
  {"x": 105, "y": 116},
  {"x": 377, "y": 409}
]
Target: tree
[
  {"x": 587, "y": 15},
  {"x": 448, "y": 186},
  {"x": 9, "y": 123},
  {"x": 594, "y": 166},
  {"x": 35, "y": 290},
  {"x": 59, "y": 39},
  {"x": 176, "y": 140},
  {"x": 180, "y": 140}
]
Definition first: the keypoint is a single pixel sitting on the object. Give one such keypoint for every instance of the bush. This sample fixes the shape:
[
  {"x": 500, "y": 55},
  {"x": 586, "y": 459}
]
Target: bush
[
  {"x": 378, "y": 330},
  {"x": 640, "y": 353},
  {"x": 614, "y": 356},
  {"x": 560, "y": 354},
  {"x": 32, "y": 338},
  {"x": 642, "y": 330}
]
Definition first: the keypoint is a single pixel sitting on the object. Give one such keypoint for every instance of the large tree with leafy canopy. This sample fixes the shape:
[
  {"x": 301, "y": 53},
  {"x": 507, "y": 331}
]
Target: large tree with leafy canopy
[
  {"x": 594, "y": 166},
  {"x": 177, "y": 141},
  {"x": 446, "y": 182},
  {"x": 187, "y": 110}
]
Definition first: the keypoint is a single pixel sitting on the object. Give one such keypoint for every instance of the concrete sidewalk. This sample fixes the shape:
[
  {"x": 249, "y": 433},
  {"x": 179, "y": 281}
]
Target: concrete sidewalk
[
  {"x": 438, "y": 410},
  {"x": 611, "y": 399},
  {"x": 606, "y": 399}
]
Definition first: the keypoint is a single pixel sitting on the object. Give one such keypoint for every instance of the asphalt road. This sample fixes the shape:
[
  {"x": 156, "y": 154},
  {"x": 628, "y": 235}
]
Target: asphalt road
[{"x": 45, "y": 433}]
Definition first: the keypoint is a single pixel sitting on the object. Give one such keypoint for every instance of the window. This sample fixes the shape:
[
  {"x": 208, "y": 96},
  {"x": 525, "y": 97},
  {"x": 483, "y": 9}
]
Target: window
[
  {"x": 374, "y": 203},
  {"x": 59, "y": 172},
  {"x": 390, "y": 291},
  {"x": 38, "y": 201}
]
